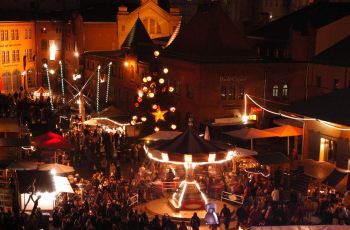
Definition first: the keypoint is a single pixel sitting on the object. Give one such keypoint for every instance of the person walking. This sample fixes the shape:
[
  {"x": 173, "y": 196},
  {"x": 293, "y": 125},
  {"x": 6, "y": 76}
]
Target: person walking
[
  {"x": 195, "y": 222},
  {"x": 226, "y": 213}
]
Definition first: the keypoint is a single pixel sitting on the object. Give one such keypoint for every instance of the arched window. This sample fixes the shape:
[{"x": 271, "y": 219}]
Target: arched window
[
  {"x": 16, "y": 79},
  {"x": 275, "y": 91},
  {"x": 285, "y": 91},
  {"x": 30, "y": 78},
  {"x": 6, "y": 77}
]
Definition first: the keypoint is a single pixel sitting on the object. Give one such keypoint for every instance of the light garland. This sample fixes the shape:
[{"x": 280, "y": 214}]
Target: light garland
[
  {"x": 326, "y": 123},
  {"x": 49, "y": 85},
  {"x": 98, "y": 89},
  {"x": 108, "y": 79},
  {"x": 62, "y": 81}
]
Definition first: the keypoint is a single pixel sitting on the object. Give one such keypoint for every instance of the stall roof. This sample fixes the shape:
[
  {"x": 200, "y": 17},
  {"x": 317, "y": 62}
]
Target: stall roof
[
  {"x": 271, "y": 158},
  {"x": 334, "y": 178},
  {"x": 62, "y": 184},
  {"x": 9, "y": 125},
  {"x": 316, "y": 169},
  {"x": 43, "y": 181}
]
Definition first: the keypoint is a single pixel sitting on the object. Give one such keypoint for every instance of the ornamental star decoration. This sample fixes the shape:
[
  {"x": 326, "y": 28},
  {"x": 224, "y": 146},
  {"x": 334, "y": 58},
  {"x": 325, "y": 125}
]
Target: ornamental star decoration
[{"x": 159, "y": 114}]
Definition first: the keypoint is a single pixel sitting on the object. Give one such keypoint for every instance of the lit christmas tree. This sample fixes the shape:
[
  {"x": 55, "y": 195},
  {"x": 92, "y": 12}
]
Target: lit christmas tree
[{"x": 155, "y": 102}]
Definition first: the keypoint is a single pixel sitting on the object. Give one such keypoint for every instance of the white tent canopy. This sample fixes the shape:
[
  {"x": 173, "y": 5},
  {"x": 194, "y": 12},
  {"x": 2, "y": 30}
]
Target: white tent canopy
[{"x": 62, "y": 184}]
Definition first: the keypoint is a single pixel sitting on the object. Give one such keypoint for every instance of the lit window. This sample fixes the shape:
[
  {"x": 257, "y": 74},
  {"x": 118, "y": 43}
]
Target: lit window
[
  {"x": 275, "y": 91},
  {"x": 285, "y": 91}
]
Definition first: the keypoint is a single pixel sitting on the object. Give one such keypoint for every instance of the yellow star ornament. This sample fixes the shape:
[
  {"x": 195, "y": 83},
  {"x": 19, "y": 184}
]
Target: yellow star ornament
[{"x": 159, "y": 114}]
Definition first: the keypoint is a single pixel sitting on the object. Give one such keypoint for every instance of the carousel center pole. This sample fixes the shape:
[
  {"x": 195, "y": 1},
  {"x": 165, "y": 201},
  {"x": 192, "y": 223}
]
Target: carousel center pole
[{"x": 82, "y": 109}]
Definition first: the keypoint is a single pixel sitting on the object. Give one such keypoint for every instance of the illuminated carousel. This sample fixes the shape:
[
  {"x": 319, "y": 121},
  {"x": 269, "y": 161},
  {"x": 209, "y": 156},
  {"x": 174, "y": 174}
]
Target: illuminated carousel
[{"x": 189, "y": 150}]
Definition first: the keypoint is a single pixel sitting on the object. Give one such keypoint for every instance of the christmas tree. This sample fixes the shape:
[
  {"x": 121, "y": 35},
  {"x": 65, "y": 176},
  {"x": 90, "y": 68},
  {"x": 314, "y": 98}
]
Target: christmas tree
[{"x": 154, "y": 105}]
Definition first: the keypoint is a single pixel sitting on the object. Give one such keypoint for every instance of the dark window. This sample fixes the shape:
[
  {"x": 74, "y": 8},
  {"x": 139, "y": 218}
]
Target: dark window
[
  {"x": 232, "y": 92},
  {"x": 189, "y": 91},
  {"x": 318, "y": 81},
  {"x": 241, "y": 91},
  {"x": 178, "y": 87},
  {"x": 336, "y": 84},
  {"x": 223, "y": 92},
  {"x": 43, "y": 44}
]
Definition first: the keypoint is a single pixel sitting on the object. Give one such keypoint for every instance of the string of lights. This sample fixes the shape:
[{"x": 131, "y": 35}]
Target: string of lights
[
  {"x": 245, "y": 117},
  {"x": 98, "y": 89},
  {"x": 62, "y": 82},
  {"x": 108, "y": 79},
  {"x": 48, "y": 84}
]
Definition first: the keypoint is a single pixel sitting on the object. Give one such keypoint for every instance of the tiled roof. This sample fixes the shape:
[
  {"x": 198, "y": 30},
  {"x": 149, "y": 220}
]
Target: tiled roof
[
  {"x": 210, "y": 36},
  {"x": 337, "y": 55},
  {"x": 328, "y": 107},
  {"x": 314, "y": 16}
]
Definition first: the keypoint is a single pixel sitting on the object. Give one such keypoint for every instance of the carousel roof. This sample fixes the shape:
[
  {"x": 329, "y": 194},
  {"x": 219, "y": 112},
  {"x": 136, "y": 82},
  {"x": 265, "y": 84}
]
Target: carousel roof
[{"x": 188, "y": 143}]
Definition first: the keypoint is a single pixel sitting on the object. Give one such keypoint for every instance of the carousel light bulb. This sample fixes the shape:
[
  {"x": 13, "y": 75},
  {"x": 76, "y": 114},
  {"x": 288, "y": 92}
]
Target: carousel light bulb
[
  {"x": 149, "y": 78},
  {"x": 52, "y": 71},
  {"x": 133, "y": 122},
  {"x": 154, "y": 106},
  {"x": 171, "y": 89},
  {"x": 172, "y": 109},
  {"x": 76, "y": 54},
  {"x": 151, "y": 95},
  {"x": 156, "y": 129},
  {"x": 140, "y": 93},
  {"x": 145, "y": 89},
  {"x": 161, "y": 80},
  {"x": 245, "y": 119},
  {"x": 45, "y": 65},
  {"x": 156, "y": 53},
  {"x": 143, "y": 119},
  {"x": 173, "y": 126},
  {"x": 144, "y": 79},
  {"x": 165, "y": 70},
  {"x": 134, "y": 117}
]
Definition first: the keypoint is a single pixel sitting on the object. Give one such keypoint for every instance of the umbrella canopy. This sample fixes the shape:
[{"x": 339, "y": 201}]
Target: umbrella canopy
[
  {"x": 24, "y": 165},
  {"x": 316, "y": 169},
  {"x": 250, "y": 133},
  {"x": 285, "y": 131},
  {"x": 62, "y": 184},
  {"x": 187, "y": 143},
  {"x": 110, "y": 111},
  {"x": 51, "y": 140},
  {"x": 59, "y": 168},
  {"x": 162, "y": 135}
]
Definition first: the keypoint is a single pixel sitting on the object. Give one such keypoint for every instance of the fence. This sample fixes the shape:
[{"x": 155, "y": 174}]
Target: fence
[
  {"x": 231, "y": 197},
  {"x": 133, "y": 200}
]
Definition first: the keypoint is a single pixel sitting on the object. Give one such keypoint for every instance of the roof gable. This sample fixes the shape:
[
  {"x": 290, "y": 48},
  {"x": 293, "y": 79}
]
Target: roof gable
[
  {"x": 314, "y": 16},
  {"x": 337, "y": 55},
  {"x": 210, "y": 36},
  {"x": 328, "y": 107},
  {"x": 137, "y": 35}
]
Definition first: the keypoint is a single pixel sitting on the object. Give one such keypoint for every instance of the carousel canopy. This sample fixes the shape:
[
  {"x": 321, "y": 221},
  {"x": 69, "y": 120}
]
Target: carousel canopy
[
  {"x": 161, "y": 135},
  {"x": 41, "y": 91},
  {"x": 51, "y": 140},
  {"x": 188, "y": 143}
]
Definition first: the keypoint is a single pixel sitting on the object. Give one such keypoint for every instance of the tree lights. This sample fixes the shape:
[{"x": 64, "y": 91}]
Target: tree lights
[
  {"x": 108, "y": 79},
  {"x": 48, "y": 84},
  {"x": 62, "y": 82},
  {"x": 98, "y": 89},
  {"x": 155, "y": 102}
]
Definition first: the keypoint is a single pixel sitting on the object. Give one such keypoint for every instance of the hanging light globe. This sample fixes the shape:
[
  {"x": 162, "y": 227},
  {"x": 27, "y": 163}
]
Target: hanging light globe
[
  {"x": 149, "y": 78},
  {"x": 154, "y": 106},
  {"x": 161, "y": 80},
  {"x": 165, "y": 70},
  {"x": 156, "y": 129},
  {"x": 143, "y": 119},
  {"x": 172, "y": 109},
  {"x": 171, "y": 89},
  {"x": 173, "y": 126}
]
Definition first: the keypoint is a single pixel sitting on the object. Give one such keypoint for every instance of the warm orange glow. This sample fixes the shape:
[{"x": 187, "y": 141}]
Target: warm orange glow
[
  {"x": 126, "y": 64},
  {"x": 159, "y": 114}
]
